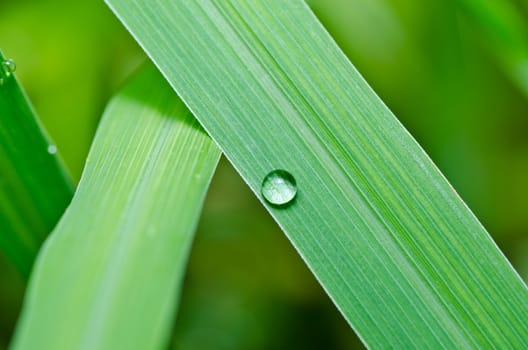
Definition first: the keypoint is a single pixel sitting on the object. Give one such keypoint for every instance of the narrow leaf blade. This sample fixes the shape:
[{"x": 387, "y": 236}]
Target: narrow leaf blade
[
  {"x": 110, "y": 273},
  {"x": 396, "y": 249},
  {"x": 34, "y": 185}
]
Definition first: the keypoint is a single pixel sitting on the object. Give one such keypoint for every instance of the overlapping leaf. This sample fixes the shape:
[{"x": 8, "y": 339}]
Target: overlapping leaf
[{"x": 396, "y": 249}]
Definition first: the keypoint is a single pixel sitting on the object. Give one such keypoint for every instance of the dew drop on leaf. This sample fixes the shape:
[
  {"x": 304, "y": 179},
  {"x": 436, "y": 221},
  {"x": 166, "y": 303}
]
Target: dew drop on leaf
[
  {"x": 9, "y": 67},
  {"x": 279, "y": 188}
]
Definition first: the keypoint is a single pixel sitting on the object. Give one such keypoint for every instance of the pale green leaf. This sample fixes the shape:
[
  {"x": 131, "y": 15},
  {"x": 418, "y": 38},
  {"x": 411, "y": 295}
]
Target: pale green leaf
[
  {"x": 109, "y": 275},
  {"x": 397, "y": 250}
]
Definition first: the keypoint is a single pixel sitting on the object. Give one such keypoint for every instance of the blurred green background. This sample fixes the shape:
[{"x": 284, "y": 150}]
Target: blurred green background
[{"x": 455, "y": 73}]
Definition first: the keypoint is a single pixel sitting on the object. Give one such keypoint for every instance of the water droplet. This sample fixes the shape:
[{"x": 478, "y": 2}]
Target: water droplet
[
  {"x": 279, "y": 188},
  {"x": 52, "y": 149},
  {"x": 9, "y": 67}
]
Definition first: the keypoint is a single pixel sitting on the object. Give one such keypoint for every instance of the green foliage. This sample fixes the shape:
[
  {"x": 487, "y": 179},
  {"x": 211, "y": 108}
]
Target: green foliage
[
  {"x": 110, "y": 274},
  {"x": 34, "y": 186},
  {"x": 444, "y": 67},
  {"x": 394, "y": 246}
]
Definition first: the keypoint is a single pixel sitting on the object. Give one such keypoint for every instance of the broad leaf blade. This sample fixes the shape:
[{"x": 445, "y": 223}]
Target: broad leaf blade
[
  {"x": 109, "y": 275},
  {"x": 34, "y": 185},
  {"x": 397, "y": 250}
]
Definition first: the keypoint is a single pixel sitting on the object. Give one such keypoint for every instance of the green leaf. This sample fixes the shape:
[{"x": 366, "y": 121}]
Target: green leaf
[
  {"x": 34, "y": 185},
  {"x": 397, "y": 250},
  {"x": 110, "y": 273}
]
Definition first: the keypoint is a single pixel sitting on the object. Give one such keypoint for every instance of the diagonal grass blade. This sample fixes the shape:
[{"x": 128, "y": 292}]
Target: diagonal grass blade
[
  {"x": 34, "y": 185},
  {"x": 397, "y": 250}
]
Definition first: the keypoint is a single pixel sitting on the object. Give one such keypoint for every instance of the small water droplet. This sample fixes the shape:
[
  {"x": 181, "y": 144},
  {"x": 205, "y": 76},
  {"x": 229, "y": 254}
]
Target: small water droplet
[
  {"x": 52, "y": 149},
  {"x": 279, "y": 188},
  {"x": 9, "y": 67}
]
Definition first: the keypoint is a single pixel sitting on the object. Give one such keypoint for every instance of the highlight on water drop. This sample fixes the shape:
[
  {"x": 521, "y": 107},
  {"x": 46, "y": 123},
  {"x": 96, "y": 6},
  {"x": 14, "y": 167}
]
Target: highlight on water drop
[
  {"x": 9, "y": 67},
  {"x": 279, "y": 188}
]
